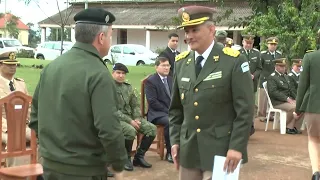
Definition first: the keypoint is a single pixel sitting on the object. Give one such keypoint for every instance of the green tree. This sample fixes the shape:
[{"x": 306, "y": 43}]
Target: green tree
[
  {"x": 295, "y": 23},
  {"x": 34, "y": 36}
]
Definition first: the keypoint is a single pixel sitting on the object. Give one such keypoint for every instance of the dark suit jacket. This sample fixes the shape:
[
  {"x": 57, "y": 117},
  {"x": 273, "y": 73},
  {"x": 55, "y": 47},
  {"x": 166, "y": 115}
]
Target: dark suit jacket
[
  {"x": 157, "y": 97},
  {"x": 169, "y": 54}
]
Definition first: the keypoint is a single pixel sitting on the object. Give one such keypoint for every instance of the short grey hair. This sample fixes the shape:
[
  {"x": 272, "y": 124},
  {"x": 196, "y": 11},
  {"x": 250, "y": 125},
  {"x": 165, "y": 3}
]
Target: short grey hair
[
  {"x": 209, "y": 23},
  {"x": 86, "y": 33}
]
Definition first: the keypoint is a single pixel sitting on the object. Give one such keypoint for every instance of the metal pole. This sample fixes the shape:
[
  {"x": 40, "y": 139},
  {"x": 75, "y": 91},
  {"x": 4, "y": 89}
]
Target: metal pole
[
  {"x": 86, "y": 4},
  {"x": 5, "y": 18}
]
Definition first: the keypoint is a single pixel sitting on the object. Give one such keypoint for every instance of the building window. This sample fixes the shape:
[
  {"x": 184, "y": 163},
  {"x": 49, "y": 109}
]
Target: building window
[{"x": 122, "y": 37}]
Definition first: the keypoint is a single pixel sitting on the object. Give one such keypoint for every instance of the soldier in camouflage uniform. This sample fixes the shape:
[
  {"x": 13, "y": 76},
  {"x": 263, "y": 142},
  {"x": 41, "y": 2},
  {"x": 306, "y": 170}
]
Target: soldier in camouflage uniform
[
  {"x": 295, "y": 73},
  {"x": 131, "y": 120},
  {"x": 267, "y": 58}
]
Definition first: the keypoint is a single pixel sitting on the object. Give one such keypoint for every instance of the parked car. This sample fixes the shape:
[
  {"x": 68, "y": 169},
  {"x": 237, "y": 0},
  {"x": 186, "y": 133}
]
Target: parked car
[
  {"x": 14, "y": 45},
  {"x": 52, "y": 49},
  {"x": 130, "y": 54}
]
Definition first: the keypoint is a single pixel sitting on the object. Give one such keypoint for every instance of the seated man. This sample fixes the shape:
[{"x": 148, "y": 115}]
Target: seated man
[
  {"x": 295, "y": 73},
  {"x": 8, "y": 84},
  {"x": 158, "y": 93},
  {"x": 130, "y": 119},
  {"x": 282, "y": 95}
]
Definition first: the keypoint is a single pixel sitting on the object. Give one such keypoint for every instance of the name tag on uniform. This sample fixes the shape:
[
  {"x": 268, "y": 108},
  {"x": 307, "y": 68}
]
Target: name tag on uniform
[
  {"x": 185, "y": 79},
  {"x": 215, "y": 75},
  {"x": 254, "y": 58}
]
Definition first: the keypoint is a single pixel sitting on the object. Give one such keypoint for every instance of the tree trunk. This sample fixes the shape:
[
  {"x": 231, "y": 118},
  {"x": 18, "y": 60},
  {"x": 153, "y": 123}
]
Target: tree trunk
[{"x": 62, "y": 37}]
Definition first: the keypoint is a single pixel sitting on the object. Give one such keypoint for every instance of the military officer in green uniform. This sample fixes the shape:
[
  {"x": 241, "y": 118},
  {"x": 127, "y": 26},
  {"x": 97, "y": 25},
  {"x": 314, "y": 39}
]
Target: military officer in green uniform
[
  {"x": 221, "y": 37},
  {"x": 295, "y": 73},
  {"x": 131, "y": 120},
  {"x": 74, "y": 107},
  {"x": 253, "y": 57},
  {"x": 267, "y": 58},
  {"x": 282, "y": 94},
  {"x": 212, "y": 103}
]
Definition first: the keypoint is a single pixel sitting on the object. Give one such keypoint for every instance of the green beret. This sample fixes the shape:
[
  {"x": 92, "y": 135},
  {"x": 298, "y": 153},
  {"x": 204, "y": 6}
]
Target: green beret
[
  {"x": 221, "y": 33},
  {"x": 94, "y": 16},
  {"x": 120, "y": 67}
]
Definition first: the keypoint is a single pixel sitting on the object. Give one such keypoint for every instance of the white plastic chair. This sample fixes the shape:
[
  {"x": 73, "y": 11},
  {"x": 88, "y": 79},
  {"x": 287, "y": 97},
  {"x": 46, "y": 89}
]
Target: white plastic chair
[{"x": 279, "y": 114}]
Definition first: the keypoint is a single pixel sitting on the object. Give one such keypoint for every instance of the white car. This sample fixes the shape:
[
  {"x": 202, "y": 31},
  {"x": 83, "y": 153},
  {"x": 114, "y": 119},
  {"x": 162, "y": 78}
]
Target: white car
[
  {"x": 52, "y": 49},
  {"x": 13, "y": 45},
  {"x": 130, "y": 54}
]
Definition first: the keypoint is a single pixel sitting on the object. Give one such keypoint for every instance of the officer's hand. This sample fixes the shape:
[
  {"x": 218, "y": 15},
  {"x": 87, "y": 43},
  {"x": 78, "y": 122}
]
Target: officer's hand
[
  {"x": 232, "y": 160},
  {"x": 135, "y": 124},
  {"x": 291, "y": 101},
  {"x": 175, "y": 155},
  {"x": 252, "y": 76}
]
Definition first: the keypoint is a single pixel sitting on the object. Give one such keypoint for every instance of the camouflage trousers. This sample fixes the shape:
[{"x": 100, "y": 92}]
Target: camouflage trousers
[{"x": 146, "y": 128}]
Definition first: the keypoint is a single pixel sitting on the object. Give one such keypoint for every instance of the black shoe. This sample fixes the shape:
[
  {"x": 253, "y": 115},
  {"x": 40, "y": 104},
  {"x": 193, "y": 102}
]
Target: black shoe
[
  {"x": 297, "y": 131},
  {"x": 169, "y": 157},
  {"x": 128, "y": 144},
  {"x": 141, "y": 151},
  {"x": 316, "y": 176},
  {"x": 252, "y": 130},
  {"x": 110, "y": 174},
  {"x": 128, "y": 166},
  {"x": 290, "y": 131}
]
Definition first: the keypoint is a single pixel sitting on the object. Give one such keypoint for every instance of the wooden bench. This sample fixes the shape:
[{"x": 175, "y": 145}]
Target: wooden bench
[{"x": 16, "y": 107}]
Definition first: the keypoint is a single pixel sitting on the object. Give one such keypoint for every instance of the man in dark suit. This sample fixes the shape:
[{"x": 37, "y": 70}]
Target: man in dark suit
[
  {"x": 158, "y": 92},
  {"x": 171, "y": 51}
]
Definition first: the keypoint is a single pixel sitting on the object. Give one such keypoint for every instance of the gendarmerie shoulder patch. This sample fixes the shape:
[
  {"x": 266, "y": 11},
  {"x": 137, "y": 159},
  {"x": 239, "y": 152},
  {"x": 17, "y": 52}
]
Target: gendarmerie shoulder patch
[
  {"x": 182, "y": 55},
  {"x": 273, "y": 74},
  {"x": 231, "y": 52}
]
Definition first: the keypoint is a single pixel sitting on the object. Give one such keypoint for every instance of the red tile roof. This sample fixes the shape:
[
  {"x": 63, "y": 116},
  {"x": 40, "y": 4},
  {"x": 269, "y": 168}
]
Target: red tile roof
[{"x": 20, "y": 24}]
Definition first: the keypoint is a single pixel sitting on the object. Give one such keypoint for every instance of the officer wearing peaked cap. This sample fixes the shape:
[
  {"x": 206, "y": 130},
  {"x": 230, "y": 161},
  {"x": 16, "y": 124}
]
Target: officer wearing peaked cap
[
  {"x": 267, "y": 62},
  {"x": 295, "y": 73},
  {"x": 83, "y": 109},
  {"x": 205, "y": 119}
]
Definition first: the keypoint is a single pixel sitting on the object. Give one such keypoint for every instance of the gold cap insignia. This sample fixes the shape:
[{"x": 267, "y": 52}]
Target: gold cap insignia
[
  {"x": 274, "y": 40},
  {"x": 185, "y": 17},
  {"x": 12, "y": 56},
  {"x": 107, "y": 19}
]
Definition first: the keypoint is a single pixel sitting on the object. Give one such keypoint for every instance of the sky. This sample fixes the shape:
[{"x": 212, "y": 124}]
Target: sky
[{"x": 36, "y": 11}]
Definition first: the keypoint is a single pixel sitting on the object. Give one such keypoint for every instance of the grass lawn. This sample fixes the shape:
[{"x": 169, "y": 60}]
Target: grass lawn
[{"x": 31, "y": 75}]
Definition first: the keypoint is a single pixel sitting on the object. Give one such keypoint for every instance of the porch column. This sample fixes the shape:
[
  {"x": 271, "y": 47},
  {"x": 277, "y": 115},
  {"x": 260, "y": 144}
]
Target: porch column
[
  {"x": 73, "y": 38},
  {"x": 236, "y": 38},
  {"x": 43, "y": 34},
  {"x": 148, "y": 39},
  {"x": 86, "y": 5}
]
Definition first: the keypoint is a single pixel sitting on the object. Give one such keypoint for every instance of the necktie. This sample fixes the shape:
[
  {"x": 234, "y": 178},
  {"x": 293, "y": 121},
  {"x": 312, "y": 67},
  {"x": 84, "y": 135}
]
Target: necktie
[
  {"x": 166, "y": 85},
  {"x": 274, "y": 56},
  {"x": 11, "y": 86},
  {"x": 198, "y": 65}
]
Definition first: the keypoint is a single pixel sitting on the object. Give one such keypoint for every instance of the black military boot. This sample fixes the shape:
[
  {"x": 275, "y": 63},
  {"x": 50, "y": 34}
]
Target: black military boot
[
  {"x": 143, "y": 148},
  {"x": 128, "y": 166},
  {"x": 316, "y": 176}
]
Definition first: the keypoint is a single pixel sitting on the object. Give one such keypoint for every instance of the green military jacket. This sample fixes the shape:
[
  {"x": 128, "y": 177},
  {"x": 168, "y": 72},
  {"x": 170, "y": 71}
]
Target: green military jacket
[
  {"x": 129, "y": 108},
  {"x": 254, "y": 58},
  {"x": 309, "y": 84},
  {"x": 212, "y": 113},
  {"x": 267, "y": 64},
  {"x": 279, "y": 88},
  {"x": 74, "y": 115},
  {"x": 294, "y": 79}
]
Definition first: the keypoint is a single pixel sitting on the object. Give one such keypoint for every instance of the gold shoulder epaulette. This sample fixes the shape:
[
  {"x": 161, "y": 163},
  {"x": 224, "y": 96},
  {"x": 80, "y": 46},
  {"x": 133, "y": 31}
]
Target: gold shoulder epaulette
[
  {"x": 182, "y": 55},
  {"x": 19, "y": 79},
  {"x": 311, "y": 50},
  {"x": 231, "y": 52}
]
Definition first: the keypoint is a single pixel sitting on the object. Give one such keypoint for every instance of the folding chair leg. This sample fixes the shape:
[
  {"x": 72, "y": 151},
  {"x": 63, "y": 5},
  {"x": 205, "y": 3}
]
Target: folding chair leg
[
  {"x": 276, "y": 121},
  {"x": 267, "y": 124}
]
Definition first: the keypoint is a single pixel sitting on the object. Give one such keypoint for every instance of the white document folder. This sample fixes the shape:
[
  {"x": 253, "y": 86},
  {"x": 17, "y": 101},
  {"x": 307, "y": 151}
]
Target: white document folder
[{"x": 219, "y": 174}]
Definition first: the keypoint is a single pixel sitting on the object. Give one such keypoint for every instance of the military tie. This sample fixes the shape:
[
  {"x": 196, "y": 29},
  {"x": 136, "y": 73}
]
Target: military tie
[
  {"x": 11, "y": 86},
  {"x": 198, "y": 65},
  {"x": 166, "y": 85},
  {"x": 274, "y": 56}
]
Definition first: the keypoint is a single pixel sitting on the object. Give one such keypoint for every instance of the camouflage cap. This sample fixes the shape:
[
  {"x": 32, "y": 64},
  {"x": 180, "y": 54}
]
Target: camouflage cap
[
  {"x": 280, "y": 61},
  {"x": 94, "y": 16},
  {"x": 120, "y": 67},
  {"x": 9, "y": 58},
  {"x": 272, "y": 40},
  {"x": 195, "y": 15},
  {"x": 221, "y": 33}
]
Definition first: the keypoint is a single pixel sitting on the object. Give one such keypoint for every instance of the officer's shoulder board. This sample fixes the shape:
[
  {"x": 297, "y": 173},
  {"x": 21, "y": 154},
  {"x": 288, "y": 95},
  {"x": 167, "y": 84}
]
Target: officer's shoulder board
[
  {"x": 273, "y": 74},
  {"x": 19, "y": 79},
  {"x": 263, "y": 52},
  {"x": 182, "y": 55},
  {"x": 279, "y": 52},
  {"x": 290, "y": 74},
  {"x": 255, "y": 49},
  {"x": 231, "y": 52},
  {"x": 311, "y": 50},
  {"x": 126, "y": 83}
]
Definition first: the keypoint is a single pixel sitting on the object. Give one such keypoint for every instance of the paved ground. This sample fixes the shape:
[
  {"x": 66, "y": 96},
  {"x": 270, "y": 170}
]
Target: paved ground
[{"x": 272, "y": 156}]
